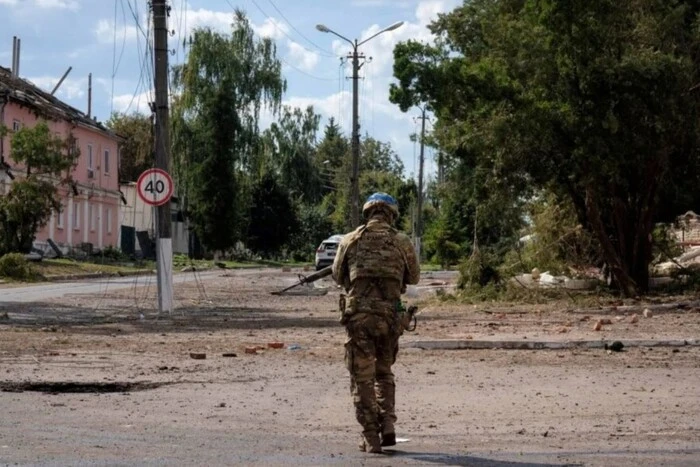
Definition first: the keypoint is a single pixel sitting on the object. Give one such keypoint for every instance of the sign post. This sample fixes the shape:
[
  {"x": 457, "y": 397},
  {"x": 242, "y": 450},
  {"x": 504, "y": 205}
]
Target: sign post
[{"x": 155, "y": 187}]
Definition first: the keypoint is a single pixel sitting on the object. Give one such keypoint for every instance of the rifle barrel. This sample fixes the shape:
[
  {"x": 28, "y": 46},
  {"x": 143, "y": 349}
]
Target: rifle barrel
[{"x": 327, "y": 271}]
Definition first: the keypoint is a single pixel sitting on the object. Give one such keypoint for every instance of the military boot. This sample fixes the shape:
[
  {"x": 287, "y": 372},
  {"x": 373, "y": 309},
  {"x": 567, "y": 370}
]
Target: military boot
[
  {"x": 371, "y": 443},
  {"x": 389, "y": 439},
  {"x": 388, "y": 434}
]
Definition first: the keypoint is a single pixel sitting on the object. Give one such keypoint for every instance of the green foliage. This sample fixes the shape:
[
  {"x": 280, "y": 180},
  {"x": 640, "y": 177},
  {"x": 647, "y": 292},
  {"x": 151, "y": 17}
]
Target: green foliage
[
  {"x": 288, "y": 148},
  {"x": 136, "y": 151},
  {"x": 557, "y": 242},
  {"x": 314, "y": 227},
  {"x": 592, "y": 99},
  {"x": 272, "y": 217},
  {"x": 28, "y": 205},
  {"x": 15, "y": 266},
  {"x": 479, "y": 270},
  {"x": 222, "y": 88}
]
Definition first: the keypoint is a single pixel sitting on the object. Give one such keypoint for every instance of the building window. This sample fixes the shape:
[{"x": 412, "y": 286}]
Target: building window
[
  {"x": 16, "y": 125},
  {"x": 59, "y": 218},
  {"x": 76, "y": 215},
  {"x": 106, "y": 166},
  {"x": 90, "y": 169},
  {"x": 109, "y": 221},
  {"x": 93, "y": 218}
]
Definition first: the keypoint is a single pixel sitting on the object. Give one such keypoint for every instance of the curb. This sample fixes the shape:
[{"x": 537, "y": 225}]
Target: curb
[
  {"x": 96, "y": 275},
  {"x": 542, "y": 345}
]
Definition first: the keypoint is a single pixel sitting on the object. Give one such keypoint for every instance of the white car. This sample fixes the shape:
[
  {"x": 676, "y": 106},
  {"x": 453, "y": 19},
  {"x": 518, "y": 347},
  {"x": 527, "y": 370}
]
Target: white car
[{"x": 325, "y": 253}]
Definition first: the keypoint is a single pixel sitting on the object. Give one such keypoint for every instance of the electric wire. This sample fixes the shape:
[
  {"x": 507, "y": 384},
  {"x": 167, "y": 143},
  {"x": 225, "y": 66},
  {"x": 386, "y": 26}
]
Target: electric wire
[{"x": 321, "y": 49}]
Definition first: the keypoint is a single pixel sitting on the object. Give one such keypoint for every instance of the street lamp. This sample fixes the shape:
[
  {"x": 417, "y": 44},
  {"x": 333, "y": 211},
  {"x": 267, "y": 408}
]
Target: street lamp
[{"x": 355, "y": 143}]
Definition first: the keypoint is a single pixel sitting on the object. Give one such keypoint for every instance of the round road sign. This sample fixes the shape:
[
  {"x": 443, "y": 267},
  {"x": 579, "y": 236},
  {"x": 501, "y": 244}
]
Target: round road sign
[{"x": 155, "y": 187}]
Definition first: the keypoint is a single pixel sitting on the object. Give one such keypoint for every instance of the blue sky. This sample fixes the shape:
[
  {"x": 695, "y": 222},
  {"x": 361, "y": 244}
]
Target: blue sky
[{"x": 83, "y": 34}]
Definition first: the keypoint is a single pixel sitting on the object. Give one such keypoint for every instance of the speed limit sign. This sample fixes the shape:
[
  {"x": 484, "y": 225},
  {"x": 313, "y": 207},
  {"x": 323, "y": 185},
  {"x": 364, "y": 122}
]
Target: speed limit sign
[{"x": 155, "y": 187}]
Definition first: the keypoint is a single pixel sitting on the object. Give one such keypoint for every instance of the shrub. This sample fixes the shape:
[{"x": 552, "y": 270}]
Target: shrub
[{"x": 15, "y": 266}]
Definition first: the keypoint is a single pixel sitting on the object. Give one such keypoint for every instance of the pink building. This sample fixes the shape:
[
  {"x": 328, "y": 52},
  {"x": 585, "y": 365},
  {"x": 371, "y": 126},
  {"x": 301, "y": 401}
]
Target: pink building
[{"x": 90, "y": 213}]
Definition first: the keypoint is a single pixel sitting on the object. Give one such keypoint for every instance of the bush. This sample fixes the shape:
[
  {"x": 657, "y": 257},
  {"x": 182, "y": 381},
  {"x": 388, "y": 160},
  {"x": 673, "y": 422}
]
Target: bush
[{"x": 15, "y": 266}]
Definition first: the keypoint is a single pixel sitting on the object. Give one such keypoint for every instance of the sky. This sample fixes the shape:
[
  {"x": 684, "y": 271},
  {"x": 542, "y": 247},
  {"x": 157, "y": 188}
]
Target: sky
[{"x": 108, "y": 39}]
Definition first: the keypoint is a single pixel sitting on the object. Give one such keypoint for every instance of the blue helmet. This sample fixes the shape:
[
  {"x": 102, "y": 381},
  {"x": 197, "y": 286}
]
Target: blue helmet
[{"x": 381, "y": 199}]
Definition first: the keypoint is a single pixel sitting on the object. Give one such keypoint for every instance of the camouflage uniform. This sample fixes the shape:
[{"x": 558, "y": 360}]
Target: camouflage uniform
[{"x": 374, "y": 263}]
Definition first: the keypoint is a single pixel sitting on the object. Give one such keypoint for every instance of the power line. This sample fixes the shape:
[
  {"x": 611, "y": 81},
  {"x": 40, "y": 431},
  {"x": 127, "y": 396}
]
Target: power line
[
  {"x": 322, "y": 50},
  {"x": 319, "y": 78}
]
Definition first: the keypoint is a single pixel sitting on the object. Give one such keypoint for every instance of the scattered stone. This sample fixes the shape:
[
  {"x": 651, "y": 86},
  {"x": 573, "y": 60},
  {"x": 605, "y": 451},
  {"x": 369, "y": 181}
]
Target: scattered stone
[
  {"x": 585, "y": 318},
  {"x": 634, "y": 319},
  {"x": 606, "y": 321},
  {"x": 598, "y": 326},
  {"x": 616, "y": 346},
  {"x": 229, "y": 354},
  {"x": 647, "y": 313},
  {"x": 198, "y": 355},
  {"x": 222, "y": 404},
  {"x": 251, "y": 350},
  {"x": 563, "y": 330},
  {"x": 275, "y": 345},
  {"x": 286, "y": 269}
]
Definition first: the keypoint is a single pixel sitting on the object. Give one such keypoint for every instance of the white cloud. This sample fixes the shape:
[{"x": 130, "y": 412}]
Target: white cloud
[
  {"x": 129, "y": 103},
  {"x": 105, "y": 32},
  {"x": 302, "y": 57},
  {"x": 219, "y": 21},
  {"x": 8, "y": 2},
  {"x": 272, "y": 28},
  {"x": 70, "y": 88}
]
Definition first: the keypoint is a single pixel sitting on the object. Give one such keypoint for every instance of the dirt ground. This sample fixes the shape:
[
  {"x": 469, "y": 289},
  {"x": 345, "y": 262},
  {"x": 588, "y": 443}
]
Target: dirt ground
[{"x": 106, "y": 380}]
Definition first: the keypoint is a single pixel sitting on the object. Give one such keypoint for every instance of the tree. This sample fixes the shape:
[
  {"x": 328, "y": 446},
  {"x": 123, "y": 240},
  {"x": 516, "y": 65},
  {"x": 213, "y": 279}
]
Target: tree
[
  {"x": 290, "y": 143},
  {"x": 136, "y": 150},
  {"x": 31, "y": 201},
  {"x": 222, "y": 88},
  {"x": 273, "y": 218},
  {"x": 593, "y": 100}
]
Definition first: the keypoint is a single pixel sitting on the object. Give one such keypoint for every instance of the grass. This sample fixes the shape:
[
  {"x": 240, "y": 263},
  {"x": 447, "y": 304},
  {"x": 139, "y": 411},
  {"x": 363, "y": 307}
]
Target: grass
[
  {"x": 61, "y": 267},
  {"x": 49, "y": 268}
]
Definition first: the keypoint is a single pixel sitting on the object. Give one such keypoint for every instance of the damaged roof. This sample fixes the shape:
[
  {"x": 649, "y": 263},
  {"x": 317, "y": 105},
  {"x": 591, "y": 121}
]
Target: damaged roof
[{"x": 44, "y": 105}]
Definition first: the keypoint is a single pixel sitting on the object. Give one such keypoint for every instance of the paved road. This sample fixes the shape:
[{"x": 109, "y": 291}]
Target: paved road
[{"x": 41, "y": 292}]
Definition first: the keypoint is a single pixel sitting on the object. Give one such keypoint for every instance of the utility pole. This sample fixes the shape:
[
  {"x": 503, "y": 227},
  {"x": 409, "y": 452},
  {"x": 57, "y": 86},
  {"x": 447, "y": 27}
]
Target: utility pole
[
  {"x": 355, "y": 163},
  {"x": 164, "y": 243},
  {"x": 419, "y": 204},
  {"x": 355, "y": 143}
]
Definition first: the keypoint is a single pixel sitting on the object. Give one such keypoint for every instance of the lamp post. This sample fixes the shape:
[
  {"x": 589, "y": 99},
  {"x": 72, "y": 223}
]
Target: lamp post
[{"x": 355, "y": 141}]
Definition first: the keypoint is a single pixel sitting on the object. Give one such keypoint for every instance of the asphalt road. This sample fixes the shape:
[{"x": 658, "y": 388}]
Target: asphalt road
[{"x": 42, "y": 292}]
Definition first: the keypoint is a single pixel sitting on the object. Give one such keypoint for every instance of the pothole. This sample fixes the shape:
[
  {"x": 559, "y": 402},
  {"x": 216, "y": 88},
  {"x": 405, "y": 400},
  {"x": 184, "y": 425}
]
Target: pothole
[{"x": 62, "y": 387}]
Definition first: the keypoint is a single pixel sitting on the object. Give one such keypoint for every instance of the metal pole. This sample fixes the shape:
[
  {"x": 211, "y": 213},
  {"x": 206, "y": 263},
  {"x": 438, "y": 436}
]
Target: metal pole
[
  {"x": 354, "y": 177},
  {"x": 89, "y": 109},
  {"x": 60, "y": 81},
  {"x": 164, "y": 245},
  {"x": 419, "y": 214}
]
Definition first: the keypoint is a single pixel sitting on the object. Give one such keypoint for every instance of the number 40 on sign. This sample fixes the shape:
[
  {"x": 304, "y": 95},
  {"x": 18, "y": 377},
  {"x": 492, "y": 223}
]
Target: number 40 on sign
[{"x": 155, "y": 187}]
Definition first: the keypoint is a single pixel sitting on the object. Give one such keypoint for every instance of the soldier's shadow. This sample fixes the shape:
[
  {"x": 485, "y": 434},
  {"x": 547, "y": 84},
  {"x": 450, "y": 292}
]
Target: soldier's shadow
[{"x": 466, "y": 460}]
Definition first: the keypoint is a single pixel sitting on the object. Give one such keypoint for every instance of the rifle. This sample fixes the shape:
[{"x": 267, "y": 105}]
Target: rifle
[{"x": 325, "y": 272}]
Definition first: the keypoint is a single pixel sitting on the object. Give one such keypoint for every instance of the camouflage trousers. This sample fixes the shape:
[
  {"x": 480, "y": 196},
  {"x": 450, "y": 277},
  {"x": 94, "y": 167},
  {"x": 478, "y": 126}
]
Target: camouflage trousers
[{"x": 370, "y": 351}]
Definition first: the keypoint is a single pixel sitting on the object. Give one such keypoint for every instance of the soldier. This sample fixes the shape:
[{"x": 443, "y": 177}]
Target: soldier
[{"x": 374, "y": 264}]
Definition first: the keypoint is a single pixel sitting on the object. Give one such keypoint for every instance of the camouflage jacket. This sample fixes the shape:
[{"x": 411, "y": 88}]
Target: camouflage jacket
[{"x": 376, "y": 261}]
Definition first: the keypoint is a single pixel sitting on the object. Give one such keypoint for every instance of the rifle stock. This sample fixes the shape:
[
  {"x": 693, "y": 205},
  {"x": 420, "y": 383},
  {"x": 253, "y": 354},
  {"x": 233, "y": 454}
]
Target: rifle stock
[{"x": 325, "y": 272}]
